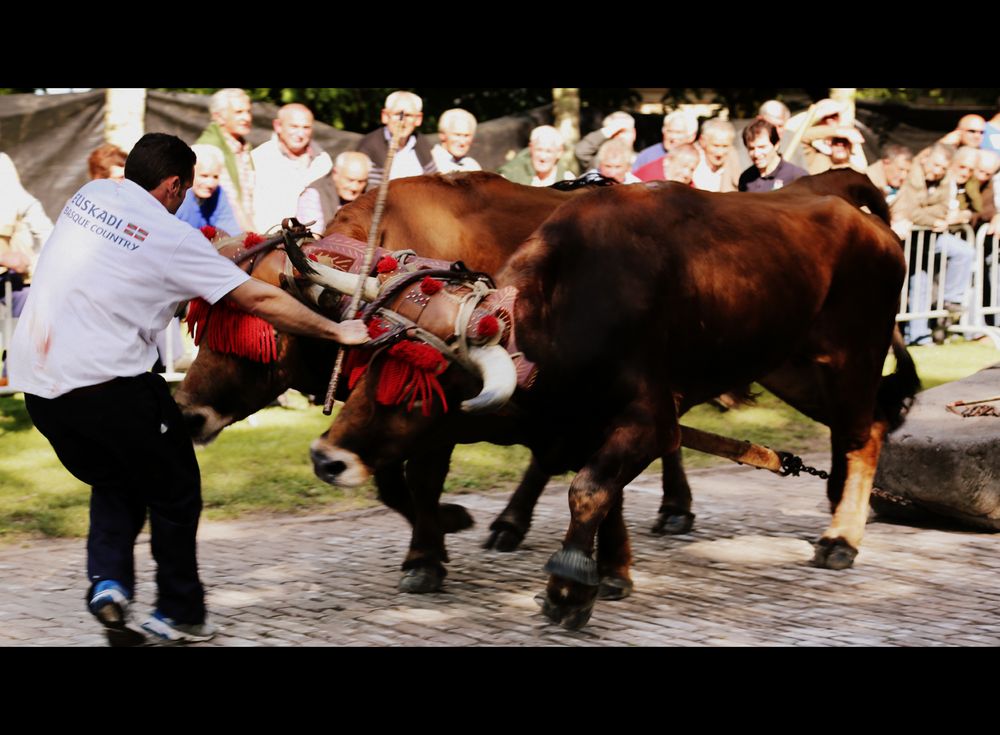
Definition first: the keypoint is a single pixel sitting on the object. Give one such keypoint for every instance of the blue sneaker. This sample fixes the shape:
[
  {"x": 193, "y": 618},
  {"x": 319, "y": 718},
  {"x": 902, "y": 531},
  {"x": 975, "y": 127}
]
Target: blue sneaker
[
  {"x": 169, "y": 631},
  {"x": 109, "y": 604}
]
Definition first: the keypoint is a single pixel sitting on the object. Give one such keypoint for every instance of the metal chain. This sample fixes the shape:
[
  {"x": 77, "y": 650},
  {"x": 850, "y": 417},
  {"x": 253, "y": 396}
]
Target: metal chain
[
  {"x": 895, "y": 499},
  {"x": 792, "y": 465}
]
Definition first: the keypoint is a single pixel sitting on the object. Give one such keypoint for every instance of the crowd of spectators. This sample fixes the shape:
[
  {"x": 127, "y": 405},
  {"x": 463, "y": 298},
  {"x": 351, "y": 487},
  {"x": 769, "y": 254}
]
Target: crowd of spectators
[{"x": 240, "y": 188}]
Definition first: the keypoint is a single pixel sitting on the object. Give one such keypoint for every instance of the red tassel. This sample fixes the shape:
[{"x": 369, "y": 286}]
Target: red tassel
[
  {"x": 209, "y": 232},
  {"x": 387, "y": 265},
  {"x": 431, "y": 286},
  {"x": 251, "y": 239}
]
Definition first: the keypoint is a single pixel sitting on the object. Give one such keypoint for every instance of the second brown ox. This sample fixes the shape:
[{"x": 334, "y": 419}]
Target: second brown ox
[{"x": 637, "y": 303}]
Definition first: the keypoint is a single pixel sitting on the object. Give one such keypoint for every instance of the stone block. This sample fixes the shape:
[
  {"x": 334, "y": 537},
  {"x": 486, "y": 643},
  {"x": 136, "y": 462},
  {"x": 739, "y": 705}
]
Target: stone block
[{"x": 941, "y": 465}]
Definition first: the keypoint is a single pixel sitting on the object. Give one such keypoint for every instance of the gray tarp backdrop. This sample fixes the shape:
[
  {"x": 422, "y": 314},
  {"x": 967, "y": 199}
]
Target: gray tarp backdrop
[{"x": 50, "y": 136}]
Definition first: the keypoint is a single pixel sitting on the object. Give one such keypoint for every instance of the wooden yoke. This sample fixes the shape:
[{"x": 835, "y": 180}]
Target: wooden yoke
[{"x": 743, "y": 452}]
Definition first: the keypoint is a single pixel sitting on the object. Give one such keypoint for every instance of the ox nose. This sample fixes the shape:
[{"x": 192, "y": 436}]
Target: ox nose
[
  {"x": 338, "y": 466},
  {"x": 327, "y": 469}
]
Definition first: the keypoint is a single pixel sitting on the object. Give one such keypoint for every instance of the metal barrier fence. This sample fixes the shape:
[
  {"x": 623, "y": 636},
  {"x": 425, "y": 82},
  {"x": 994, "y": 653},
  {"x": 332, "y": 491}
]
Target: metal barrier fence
[
  {"x": 923, "y": 262},
  {"x": 7, "y": 322}
]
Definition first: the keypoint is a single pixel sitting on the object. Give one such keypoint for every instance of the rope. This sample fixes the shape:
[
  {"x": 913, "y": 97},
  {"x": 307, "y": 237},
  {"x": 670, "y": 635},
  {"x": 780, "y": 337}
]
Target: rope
[
  {"x": 383, "y": 192},
  {"x": 976, "y": 410}
]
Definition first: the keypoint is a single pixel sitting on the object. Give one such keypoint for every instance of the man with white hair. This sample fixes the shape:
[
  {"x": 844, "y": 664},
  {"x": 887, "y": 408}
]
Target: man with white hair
[
  {"x": 402, "y": 114},
  {"x": 679, "y": 127},
  {"x": 616, "y": 126},
  {"x": 719, "y": 163},
  {"x": 323, "y": 197},
  {"x": 543, "y": 165},
  {"x": 614, "y": 161},
  {"x": 205, "y": 203},
  {"x": 285, "y": 165},
  {"x": 232, "y": 116},
  {"x": 776, "y": 113},
  {"x": 456, "y": 129}
]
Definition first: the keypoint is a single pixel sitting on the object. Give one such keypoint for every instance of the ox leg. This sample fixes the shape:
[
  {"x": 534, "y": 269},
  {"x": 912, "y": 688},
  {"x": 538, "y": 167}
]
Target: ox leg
[
  {"x": 511, "y": 526},
  {"x": 423, "y": 567},
  {"x": 840, "y": 394},
  {"x": 852, "y": 486},
  {"x": 675, "y": 516},
  {"x": 394, "y": 493},
  {"x": 633, "y": 442},
  {"x": 614, "y": 554}
]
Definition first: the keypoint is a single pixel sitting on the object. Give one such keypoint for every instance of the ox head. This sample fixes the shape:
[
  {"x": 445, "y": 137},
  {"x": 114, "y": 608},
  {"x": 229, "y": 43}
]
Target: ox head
[
  {"x": 435, "y": 362},
  {"x": 244, "y": 364}
]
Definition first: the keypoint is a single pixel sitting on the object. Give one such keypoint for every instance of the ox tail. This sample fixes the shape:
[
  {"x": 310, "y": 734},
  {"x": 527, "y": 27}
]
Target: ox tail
[{"x": 897, "y": 391}]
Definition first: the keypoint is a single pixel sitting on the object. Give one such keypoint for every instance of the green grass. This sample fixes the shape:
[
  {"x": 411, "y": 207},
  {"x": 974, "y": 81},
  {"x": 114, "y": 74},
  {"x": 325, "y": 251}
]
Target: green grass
[{"x": 263, "y": 467}]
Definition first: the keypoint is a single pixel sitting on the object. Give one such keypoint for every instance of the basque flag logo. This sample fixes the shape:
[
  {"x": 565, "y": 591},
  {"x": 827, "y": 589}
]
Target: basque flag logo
[{"x": 135, "y": 231}]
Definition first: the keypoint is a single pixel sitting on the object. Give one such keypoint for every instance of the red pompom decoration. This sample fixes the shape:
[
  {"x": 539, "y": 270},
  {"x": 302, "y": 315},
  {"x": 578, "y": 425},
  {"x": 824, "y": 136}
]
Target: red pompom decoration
[
  {"x": 209, "y": 232},
  {"x": 252, "y": 239},
  {"x": 376, "y": 328},
  {"x": 387, "y": 265},
  {"x": 312, "y": 256},
  {"x": 431, "y": 286},
  {"x": 488, "y": 327}
]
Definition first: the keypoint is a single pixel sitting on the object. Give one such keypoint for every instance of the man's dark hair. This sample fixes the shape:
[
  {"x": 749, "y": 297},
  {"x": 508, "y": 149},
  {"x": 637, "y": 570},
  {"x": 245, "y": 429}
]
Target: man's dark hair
[
  {"x": 757, "y": 127},
  {"x": 158, "y": 156}
]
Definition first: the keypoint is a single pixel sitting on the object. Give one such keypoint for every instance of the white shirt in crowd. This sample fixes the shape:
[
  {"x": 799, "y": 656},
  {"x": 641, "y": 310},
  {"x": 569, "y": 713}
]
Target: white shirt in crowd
[
  {"x": 281, "y": 179},
  {"x": 108, "y": 279},
  {"x": 447, "y": 163}
]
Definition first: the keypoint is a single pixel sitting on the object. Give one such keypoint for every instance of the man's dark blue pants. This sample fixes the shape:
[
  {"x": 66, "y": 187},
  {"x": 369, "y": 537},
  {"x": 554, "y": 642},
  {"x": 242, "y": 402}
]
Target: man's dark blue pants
[{"x": 126, "y": 439}]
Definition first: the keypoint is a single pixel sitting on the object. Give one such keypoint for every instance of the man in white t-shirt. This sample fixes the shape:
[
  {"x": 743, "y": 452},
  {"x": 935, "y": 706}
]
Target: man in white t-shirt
[{"x": 110, "y": 277}]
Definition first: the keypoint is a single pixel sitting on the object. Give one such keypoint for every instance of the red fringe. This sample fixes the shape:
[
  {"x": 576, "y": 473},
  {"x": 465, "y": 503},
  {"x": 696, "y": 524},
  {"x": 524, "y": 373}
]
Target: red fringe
[
  {"x": 232, "y": 331},
  {"x": 411, "y": 370}
]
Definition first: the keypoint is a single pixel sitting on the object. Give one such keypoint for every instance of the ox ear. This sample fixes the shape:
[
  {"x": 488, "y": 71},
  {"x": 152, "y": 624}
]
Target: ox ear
[{"x": 499, "y": 379}]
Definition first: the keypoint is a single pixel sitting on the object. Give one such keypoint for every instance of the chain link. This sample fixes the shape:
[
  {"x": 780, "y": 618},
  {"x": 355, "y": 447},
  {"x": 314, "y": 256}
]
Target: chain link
[{"x": 792, "y": 465}]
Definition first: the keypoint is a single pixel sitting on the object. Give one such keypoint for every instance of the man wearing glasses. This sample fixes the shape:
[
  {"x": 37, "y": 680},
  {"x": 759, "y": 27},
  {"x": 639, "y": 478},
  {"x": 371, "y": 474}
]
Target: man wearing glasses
[{"x": 413, "y": 157}]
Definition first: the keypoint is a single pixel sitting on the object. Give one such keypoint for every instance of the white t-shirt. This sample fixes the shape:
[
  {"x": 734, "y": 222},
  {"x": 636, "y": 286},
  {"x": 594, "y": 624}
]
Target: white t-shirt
[{"x": 108, "y": 279}]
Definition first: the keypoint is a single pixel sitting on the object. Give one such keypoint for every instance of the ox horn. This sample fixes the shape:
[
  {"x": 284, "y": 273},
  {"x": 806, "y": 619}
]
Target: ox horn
[
  {"x": 499, "y": 379},
  {"x": 345, "y": 283}
]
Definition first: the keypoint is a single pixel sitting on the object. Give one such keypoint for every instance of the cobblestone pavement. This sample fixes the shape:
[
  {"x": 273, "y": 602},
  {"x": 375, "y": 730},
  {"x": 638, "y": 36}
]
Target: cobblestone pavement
[{"x": 741, "y": 578}]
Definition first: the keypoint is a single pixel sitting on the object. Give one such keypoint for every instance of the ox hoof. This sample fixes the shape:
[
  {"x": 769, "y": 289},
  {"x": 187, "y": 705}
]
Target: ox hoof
[
  {"x": 834, "y": 554},
  {"x": 454, "y": 518},
  {"x": 574, "y": 565},
  {"x": 614, "y": 588},
  {"x": 571, "y": 617},
  {"x": 505, "y": 537},
  {"x": 673, "y": 524},
  {"x": 421, "y": 580}
]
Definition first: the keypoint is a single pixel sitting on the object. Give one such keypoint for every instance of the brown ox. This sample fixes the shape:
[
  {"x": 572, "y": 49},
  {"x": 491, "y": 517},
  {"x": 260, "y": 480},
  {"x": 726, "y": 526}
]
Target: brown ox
[
  {"x": 637, "y": 303},
  {"x": 477, "y": 218}
]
